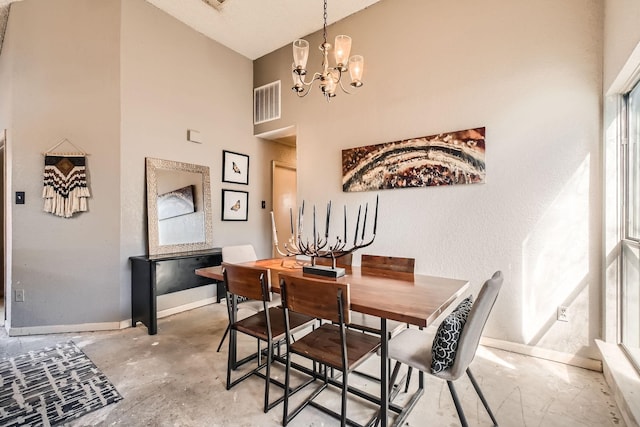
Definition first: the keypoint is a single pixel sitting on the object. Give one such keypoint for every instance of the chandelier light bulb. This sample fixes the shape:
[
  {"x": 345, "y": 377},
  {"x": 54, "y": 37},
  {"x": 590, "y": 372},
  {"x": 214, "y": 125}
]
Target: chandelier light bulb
[
  {"x": 356, "y": 67},
  {"x": 341, "y": 51},
  {"x": 300, "y": 54}
]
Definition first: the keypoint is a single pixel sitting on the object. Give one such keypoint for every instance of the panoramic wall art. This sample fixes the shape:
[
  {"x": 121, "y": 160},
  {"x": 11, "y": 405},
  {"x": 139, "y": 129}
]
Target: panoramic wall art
[{"x": 443, "y": 159}]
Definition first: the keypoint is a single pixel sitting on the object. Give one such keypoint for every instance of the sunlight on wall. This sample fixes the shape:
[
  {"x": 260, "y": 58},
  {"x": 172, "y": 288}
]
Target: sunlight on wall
[{"x": 555, "y": 254}]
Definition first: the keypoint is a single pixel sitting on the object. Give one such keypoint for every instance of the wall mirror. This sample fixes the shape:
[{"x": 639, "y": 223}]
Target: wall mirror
[{"x": 178, "y": 207}]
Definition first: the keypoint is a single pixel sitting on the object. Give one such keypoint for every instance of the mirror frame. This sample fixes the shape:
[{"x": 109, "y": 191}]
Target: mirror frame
[{"x": 154, "y": 247}]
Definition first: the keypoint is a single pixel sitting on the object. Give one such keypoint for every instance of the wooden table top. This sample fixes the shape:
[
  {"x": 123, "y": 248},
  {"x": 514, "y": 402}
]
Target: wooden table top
[{"x": 409, "y": 298}]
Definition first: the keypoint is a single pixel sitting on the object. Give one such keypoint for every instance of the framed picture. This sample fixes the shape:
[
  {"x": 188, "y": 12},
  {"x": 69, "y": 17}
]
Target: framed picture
[
  {"x": 235, "y": 205},
  {"x": 235, "y": 167}
]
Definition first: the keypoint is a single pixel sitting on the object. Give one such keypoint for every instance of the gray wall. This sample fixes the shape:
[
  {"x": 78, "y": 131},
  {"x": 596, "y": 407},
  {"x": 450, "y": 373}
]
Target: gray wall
[
  {"x": 531, "y": 73},
  {"x": 64, "y": 78},
  {"x": 124, "y": 81}
]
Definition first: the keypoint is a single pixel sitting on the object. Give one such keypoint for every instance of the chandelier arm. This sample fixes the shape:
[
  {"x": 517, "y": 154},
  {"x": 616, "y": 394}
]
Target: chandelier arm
[
  {"x": 300, "y": 90},
  {"x": 316, "y": 76},
  {"x": 302, "y": 93},
  {"x": 343, "y": 89}
]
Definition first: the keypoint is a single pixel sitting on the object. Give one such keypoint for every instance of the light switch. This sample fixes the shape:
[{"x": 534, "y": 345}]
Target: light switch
[{"x": 19, "y": 197}]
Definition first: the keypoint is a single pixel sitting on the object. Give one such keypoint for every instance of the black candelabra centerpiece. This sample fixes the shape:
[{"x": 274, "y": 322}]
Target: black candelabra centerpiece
[{"x": 318, "y": 245}]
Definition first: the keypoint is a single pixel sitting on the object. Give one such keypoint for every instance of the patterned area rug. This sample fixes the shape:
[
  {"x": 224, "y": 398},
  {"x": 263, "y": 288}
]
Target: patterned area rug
[{"x": 50, "y": 386}]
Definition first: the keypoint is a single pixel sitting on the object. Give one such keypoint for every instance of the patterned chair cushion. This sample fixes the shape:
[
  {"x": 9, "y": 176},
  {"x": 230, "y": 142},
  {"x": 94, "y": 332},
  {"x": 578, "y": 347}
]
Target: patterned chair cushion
[{"x": 445, "y": 343}]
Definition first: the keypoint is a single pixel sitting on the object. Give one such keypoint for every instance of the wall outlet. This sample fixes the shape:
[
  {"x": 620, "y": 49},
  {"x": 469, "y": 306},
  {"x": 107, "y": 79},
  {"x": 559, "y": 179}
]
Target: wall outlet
[
  {"x": 19, "y": 295},
  {"x": 563, "y": 314}
]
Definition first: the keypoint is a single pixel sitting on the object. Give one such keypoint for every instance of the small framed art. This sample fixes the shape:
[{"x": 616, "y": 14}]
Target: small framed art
[
  {"x": 235, "y": 205},
  {"x": 235, "y": 167}
]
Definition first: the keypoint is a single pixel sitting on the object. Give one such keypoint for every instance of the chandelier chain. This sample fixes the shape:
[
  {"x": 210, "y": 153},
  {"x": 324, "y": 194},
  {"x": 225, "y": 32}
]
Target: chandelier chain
[{"x": 325, "y": 21}]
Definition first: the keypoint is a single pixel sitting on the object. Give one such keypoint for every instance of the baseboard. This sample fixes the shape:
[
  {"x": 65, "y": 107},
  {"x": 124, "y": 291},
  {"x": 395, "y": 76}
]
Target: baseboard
[
  {"x": 543, "y": 353},
  {"x": 623, "y": 380},
  {"x": 59, "y": 329},
  {"x": 106, "y": 326},
  {"x": 185, "y": 307}
]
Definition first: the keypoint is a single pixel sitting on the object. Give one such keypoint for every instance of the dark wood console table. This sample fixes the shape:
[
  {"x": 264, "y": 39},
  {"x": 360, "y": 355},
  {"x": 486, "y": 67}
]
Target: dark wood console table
[{"x": 153, "y": 275}]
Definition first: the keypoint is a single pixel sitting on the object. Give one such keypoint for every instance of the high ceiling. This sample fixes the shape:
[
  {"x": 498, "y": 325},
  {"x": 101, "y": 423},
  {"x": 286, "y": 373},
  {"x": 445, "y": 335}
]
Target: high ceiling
[{"x": 252, "y": 28}]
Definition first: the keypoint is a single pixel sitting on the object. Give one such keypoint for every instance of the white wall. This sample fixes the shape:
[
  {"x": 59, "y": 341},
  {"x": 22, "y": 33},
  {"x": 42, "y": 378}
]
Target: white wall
[
  {"x": 621, "y": 36},
  {"x": 531, "y": 73}
]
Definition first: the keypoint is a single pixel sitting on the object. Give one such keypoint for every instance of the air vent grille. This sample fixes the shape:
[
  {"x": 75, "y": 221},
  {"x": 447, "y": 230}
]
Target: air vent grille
[{"x": 266, "y": 103}]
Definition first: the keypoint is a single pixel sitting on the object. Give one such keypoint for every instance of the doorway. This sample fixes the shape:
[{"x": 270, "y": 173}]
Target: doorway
[{"x": 284, "y": 187}]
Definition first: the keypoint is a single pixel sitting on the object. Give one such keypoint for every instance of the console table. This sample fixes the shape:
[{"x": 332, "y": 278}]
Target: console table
[{"x": 153, "y": 275}]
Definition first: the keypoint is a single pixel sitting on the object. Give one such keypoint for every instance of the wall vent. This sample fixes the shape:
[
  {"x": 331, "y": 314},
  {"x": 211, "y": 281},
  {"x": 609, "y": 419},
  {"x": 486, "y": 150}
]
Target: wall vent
[{"x": 266, "y": 103}]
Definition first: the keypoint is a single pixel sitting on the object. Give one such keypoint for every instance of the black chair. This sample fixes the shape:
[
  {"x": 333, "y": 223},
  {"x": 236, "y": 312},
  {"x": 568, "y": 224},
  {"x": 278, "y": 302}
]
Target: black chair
[
  {"x": 445, "y": 356},
  {"x": 331, "y": 345},
  {"x": 239, "y": 254},
  {"x": 268, "y": 325}
]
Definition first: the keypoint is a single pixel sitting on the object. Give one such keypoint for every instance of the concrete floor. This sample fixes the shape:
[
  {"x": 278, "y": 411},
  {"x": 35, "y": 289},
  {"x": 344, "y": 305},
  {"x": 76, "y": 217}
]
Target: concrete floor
[{"x": 176, "y": 378}]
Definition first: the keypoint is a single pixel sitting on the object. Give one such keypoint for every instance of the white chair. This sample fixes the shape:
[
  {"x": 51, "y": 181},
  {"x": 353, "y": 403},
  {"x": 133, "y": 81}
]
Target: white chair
[
  {"x": 239, "y": 253},
  {"x": 415, "y": 348},
  {"x": 235, "y": 255}
]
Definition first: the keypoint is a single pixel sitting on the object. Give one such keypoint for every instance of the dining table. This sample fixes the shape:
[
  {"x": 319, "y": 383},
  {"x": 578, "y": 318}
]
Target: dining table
[{"x": 416, "y": 299}]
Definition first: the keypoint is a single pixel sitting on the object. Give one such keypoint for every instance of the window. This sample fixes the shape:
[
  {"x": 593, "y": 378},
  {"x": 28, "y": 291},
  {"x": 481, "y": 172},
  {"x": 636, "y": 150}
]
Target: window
[
  {"x": 630, "y": 245},
  {"x": 633, "y": 165}
]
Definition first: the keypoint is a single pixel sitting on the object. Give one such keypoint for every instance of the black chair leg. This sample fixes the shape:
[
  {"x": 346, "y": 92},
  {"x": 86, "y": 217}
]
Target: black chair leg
[
  {"x": 409, "y": 372},
  {"x": 456, "y": 402},
  {"x": 226, "y": 331},
  {"x": 267, "y": 382},
  {"x": 343, "y": 417},
  {"x": 481, "y": 396}
]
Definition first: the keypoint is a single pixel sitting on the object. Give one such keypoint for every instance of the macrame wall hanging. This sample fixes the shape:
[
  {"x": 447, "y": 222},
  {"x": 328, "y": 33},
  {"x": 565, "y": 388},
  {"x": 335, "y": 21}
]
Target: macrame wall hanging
[{"x": 65, "y": 189}]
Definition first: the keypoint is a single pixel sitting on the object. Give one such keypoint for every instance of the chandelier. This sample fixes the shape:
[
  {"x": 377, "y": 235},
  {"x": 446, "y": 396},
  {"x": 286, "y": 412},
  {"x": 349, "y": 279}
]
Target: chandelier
[{"x": 330, "y": 77}]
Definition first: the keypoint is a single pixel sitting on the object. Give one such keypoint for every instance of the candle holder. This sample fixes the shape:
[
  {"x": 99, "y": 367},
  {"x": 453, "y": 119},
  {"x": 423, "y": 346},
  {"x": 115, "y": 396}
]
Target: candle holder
[{"x": 318, "y": 245}]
